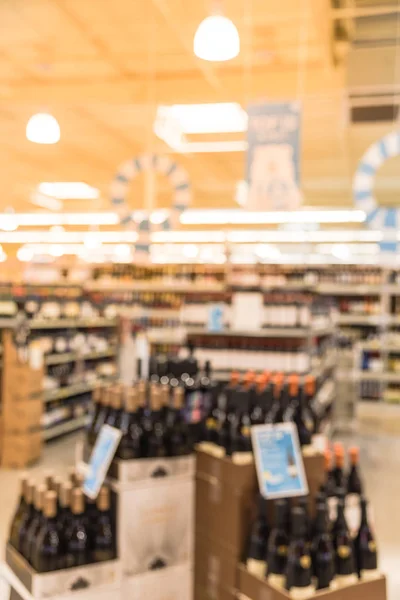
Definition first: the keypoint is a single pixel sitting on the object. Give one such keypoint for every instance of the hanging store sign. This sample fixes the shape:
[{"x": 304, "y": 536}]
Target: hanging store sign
[
  {"x": 273, "y": 156},
  {"x": 378, "y": 217},
  {"x": 180, "y": 183}
]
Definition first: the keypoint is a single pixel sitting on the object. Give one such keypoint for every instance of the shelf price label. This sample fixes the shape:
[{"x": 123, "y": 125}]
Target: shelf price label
[
  {"x": 279, "y": 461},
  {"x": 103, "y": 452}
]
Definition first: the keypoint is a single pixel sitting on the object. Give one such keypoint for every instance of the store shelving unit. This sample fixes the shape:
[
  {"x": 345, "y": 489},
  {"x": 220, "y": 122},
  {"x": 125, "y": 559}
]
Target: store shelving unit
[
  {"x": 68, "y": 426},
  {"x": 66, "y": 357}
]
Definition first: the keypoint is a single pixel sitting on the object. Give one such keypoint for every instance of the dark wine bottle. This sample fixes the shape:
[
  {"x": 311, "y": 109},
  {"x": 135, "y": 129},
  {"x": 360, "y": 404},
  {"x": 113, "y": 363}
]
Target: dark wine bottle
[
  {"x": 27, "y": 517},
  {"x": 338, "y": 471},
  {"x": 115, "y": 411},
  {"x": 47, "y": 554},
  {"x": 103, "y": 539},
  {"x": 65, "y": 514},
  {"x": 156, "y": 436},
  {"x": 322, "y": 551},
  {"x": 299, "y": 566},
  {"x": 344, "y": 549},
  {"x": 261, "y": 400},
  {"x": 303, "y": 502},
  {"x": 131, "y": 445},
  {"x": 257, "y": 552},
  {"x": 178, "y": 438},
  {"x": 103, "y": 412},
  {"x": 48, "y": 476},
  {"x": 36, "y": 523},
  {"x": 275, "y": 414},
  {"x": 96, "y": 400},
  {"x": 354, "y": 484},
  {"x": 329, "y": 486},
  {"x": 304, "y": 420},
  {"x": 278, "y": 542},
  {"x": 19, "y": 513},
  {"x": 76, "y": 536},
  {"x": 367, "y": 559}
]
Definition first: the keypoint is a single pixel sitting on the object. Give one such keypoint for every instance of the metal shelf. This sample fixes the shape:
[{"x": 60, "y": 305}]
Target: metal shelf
[
  {"x": 384, "y": 376},
  {"x": 71, "y": 323},
  {"x": 65, "y": 427},
  {"x": 375, "y": 320},
  {"x": 158, "y": 287},
  {"x": 58, "y": 359},
  {"x": 69, "y": 391},
  {"x": 267, "y": 332},
  {"x": 348, "y": 289}
]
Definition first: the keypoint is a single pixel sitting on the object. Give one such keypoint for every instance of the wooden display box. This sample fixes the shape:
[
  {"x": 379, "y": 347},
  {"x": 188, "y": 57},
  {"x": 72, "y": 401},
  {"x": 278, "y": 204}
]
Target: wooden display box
[
  {"x": 95, "y": 576},
  {"x": 255, "y": 588},
  {"x": 20, "y": 450},
  {"x": 22, "y": 417}
]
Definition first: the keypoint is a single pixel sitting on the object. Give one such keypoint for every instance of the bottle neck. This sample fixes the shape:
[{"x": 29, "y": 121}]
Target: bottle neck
[{"x": 364, "y": 513}]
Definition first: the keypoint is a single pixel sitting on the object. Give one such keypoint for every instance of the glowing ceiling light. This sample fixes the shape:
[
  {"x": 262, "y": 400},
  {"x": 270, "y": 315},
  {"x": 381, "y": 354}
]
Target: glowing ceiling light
[
  {"x": 122, "y": 251},
  {"x": 43, "y": 128},
  {"x": 219, "y": 117},
  {"x": 68, "y": 190},
  {"x": 216, "y": 39},
  {"x": 24, "y": 254},
  {"x": 8, "y": 220}
]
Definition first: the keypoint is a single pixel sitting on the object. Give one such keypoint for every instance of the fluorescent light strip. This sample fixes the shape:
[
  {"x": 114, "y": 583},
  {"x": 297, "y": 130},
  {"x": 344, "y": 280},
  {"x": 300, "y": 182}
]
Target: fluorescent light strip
[
  {"x": 48, "y": 219},
  {"x": 243, "y": 217},
  {"x": 221, "y": 117},
  {"x": 68, "y": 190},
  {"x": 66, "y": 237}
]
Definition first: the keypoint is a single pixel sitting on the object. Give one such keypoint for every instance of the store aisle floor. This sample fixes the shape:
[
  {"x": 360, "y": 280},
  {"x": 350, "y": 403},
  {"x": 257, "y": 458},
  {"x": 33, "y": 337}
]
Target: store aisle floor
[{"x": 380, "y": 464}]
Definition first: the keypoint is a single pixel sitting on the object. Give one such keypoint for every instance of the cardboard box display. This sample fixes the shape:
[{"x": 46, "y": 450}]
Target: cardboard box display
[
  {"x": 63, "y": 581},
  {"x": 155, "y": 524},
  {"x": 21, "y": 417},
  {"x": 223, "y": 594},
  {"x": 215, "y": 565},
  {"x": 23, "y": 384},
  {"x": 172, "y": 583},
  {"x": 255, "y": 588},
  {"x": 21, "y": 449},
  {"x": 128, "y": 471}
]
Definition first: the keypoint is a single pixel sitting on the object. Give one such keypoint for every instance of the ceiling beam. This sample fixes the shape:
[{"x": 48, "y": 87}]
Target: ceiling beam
[{"x": 355, "y": 12}]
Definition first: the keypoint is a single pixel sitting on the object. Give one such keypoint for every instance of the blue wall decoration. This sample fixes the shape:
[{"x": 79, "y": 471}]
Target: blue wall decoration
[
  {"x": 384, "y": 219},
  {"x": 180, "y": 183}
]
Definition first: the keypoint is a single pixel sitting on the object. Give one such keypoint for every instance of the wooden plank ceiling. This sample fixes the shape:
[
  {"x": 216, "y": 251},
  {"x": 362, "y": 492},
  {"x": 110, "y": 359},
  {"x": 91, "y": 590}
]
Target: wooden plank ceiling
[{"x": 102, "y": 68}]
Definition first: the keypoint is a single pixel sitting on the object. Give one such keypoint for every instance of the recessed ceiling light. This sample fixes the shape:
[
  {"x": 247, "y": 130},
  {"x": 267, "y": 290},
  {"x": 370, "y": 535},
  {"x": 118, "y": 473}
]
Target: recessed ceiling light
[
  {"x": 216, "y": 39},
  {"x": 69, "y": 190},
  {"x": 43, "y": 128}
]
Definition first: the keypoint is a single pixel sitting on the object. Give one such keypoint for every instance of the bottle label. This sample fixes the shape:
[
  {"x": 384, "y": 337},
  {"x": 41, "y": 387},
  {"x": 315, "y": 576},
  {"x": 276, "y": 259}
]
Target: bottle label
[
  {"x": 369, "y": 574},
  {"x": 276, "y": 580},
  {"x": 302, "y": 593},
  {"x": 282, "y": 550},
  {"x": 211, "y": 423},
  {"x": 305, "y": 561},
  {"x": 256, "y": 567},
  {"x": 345, "y": 580},
  {"x": 343, "y": 551}
]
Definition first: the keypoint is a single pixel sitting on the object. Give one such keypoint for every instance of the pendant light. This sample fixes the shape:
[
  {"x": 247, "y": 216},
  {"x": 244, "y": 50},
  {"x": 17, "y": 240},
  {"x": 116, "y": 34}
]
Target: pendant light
[
  {"x": 216, "y": 39},
  {"x": 43, "y": 128}
]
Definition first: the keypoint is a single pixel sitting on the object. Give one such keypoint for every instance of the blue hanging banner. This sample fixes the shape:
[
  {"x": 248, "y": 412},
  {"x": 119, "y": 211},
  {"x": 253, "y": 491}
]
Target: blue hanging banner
[{"x": 273, "y": 156}]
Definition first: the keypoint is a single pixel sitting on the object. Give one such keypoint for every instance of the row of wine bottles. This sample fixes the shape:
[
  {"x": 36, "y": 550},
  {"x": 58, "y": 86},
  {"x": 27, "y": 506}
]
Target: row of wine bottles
[
  {"x": 152, "y": 424},
  {"x": 256, "y": 400},
  {"x": 56, "y": 526},
  {"x": 301, "y": 554},
  {"x": 337, "y": 477}
]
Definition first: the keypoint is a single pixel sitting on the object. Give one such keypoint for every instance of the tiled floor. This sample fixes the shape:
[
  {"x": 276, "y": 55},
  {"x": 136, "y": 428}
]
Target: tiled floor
[{"x": 380, "y": 461}]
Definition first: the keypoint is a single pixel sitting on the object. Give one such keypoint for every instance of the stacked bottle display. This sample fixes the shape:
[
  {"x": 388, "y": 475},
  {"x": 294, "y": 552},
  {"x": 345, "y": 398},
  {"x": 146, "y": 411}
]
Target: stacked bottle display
[
  {"x": 56, "y": 526},
  {"x": 304, "y": 554},
  {"x": 256, "y": 400},
  {"x": 153, "y": 418}
]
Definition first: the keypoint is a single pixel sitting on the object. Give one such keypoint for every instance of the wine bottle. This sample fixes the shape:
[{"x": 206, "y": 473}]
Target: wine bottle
[
  {"x": 76, "y": 536},
  {"x": 338, "y": 471},
  {"x": 275, "y": 415},
  {"x": 257, "y": 552},
  {"x": 210, "y": 426},
  {"x": 344, "y": 549},
  {"x": 262, "y": 400},
  {"x": 36, "y": 523},
  {"x": 329, "y": 486},
  {"x": 241, "y": 448},
  {"x": 322, "y": 551},
  {"x": 156, "y": 434},
  {"x": 19, "y": 513},
  {"x": 103, "y": 412},
  {"x": 178, "y": 439},
  {"x": 365, "y": 544},
  {"x": 49, "y": 479},
  {"x": 115, "y": 410},
  {"x": 96, "y": 399},
  {"x": 303, "y": 502},
  {"x": 354, "y": 484},
  {"x": 47, "y": 551},
  {"x": 131, "y": 445},
  {"x": 103, "y": 539},
  {"x": 304, "y": 421},
  {"x": 65, "y": 514},
  {"x": 27, "y": 516},
  {"x": 277, "y": 548},
  {"x": 299, "y": 567}
]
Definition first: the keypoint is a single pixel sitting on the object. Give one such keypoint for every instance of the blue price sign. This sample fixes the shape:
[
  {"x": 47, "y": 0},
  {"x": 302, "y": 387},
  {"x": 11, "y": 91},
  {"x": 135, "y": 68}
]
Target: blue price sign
[
  {"x": 279, "y": 461},
  {"x": 103, "y": 452}
]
